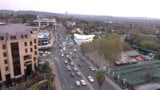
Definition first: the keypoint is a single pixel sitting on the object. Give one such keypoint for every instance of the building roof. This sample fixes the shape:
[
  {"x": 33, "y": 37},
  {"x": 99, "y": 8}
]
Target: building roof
[
  {"x": 132, "y": 53},
  {"x": 45, "y": 20},
  {"x": 13, "y": 28},
  {"x": 83, "y": 37}
]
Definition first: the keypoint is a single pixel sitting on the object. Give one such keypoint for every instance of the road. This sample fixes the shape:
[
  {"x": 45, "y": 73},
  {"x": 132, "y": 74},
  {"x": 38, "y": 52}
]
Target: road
[{"x": 67, "y": 82}]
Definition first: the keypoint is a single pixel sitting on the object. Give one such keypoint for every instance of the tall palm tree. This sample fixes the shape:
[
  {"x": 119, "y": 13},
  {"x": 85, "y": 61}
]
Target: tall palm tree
[{"x": 100, "y": 75}]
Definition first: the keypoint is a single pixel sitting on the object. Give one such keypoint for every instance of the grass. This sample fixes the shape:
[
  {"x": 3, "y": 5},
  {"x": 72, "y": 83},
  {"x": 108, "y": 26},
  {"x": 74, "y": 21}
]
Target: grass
[{"x": 37, "y": 85}]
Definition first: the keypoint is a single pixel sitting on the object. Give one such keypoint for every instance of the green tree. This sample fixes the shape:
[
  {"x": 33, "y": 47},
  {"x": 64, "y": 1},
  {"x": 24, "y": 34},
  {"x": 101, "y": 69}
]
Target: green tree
[
  {"x": 100, "y": 75},
  {"x": 111, "y": 48},
  {"x": 158, "y": 55}
]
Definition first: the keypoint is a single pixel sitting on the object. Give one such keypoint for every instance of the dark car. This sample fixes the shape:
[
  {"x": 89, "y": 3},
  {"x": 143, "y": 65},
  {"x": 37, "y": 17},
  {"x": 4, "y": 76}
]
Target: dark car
[{"x": 73, "y": 74}]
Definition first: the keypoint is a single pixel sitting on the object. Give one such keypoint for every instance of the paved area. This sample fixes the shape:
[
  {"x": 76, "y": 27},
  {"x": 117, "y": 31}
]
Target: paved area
[{"x": 150, "y": 86}]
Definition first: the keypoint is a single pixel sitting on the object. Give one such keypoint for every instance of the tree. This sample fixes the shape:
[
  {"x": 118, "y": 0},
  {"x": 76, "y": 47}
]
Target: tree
[
  {"x": 158, "y": 55},
  {"x": 111, "y": 48},
  {"x": 100, "y": 75}
]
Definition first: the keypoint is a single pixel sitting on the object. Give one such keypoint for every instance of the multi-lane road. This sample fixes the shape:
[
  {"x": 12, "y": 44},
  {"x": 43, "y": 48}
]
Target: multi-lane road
[{"x": 66, "y": 80}]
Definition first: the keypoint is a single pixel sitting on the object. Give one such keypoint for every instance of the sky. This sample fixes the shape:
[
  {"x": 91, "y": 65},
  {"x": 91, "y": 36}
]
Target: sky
[{"x": 129, "y": 8}]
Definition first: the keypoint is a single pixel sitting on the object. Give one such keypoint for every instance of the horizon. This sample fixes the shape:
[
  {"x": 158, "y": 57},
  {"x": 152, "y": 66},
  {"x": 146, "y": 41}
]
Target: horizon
[{"x": 123, "y": 8}]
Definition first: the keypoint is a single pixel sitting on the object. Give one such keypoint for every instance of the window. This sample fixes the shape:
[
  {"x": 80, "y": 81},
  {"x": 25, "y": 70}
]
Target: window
[
  {"x": 22, "y": 36},
  {"x": 5, "y": 61},
  {"x": 25, "y": 35},
  {"x": 25, "y": 43},
  {"x": 6, "y": 68},
  {"x": 26, "y": 57},
  {"x": 4, "y": 46},
  {"x": 31, "y": 32},
  {"x": 13, "y": 37},
  {"x": 1, "y": 38},
  {"x": 31, "y": 43},
  {"x": 31, "y": 50},
  {"x": 26, "y": 50},
  {"x": 35, "y": 52},
  {"x": 35, "y": 47},
  {"x": 35, "y": 41},
  {"x": 4, "y": 54},
  {"x": 34, "y": 58}
]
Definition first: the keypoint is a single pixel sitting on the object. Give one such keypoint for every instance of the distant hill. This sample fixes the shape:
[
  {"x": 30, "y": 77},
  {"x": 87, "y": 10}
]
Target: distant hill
[{"x": 86, "y": 17}]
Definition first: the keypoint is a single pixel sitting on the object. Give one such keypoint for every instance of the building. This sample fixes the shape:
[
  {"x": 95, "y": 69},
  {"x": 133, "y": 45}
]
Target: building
[
  {"x": 79, "y": 39},
  {"x": 44, "y": 21},
  {"x": 18, "y": 52},
  {"x": 45, "y": 39}
]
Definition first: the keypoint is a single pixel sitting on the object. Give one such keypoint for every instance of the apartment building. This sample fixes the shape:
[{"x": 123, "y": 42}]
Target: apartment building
[{"x": 18, "y": 52}]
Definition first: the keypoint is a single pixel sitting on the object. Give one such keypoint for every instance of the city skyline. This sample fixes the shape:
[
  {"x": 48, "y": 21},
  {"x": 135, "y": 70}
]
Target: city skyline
[{"x": 126, "y": 8}]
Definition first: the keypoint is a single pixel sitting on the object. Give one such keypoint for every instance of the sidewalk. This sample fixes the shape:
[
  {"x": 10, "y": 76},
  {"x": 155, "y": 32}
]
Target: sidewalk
[{"x": 56, "y": 82}]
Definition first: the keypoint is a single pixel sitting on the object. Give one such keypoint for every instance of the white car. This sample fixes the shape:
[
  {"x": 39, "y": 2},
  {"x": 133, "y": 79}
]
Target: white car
[
  {"x": 44, "y": 54},
  {"x": 83, "y": 82},
  {"x": 61, "y": 50},
  {"x": 70, "y": 53},
  {"x": 92, "y": 68},
  {"x": 78, "y": 74},
  {"x": 75, "y": 69},
  {"x": 72, "y": 64},
  {"x": 69, "y": 68},
  {"x": 66, "y": 61},
  {"x": 74, "y": 50},
  {"x": 77, "y": 83},
  {"x": 67, "y": 55},
  {"x": 62, "y": 54},
  {"x": 90, "y": 78}
]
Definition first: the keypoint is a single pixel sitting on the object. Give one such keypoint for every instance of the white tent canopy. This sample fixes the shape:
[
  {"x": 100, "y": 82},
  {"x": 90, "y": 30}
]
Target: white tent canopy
[{"x": 83, "y": 38}]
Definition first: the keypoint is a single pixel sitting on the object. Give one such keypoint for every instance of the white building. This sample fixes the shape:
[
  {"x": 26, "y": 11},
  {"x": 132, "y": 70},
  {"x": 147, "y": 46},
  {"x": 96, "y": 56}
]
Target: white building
[{"x": 79, "y": 39}]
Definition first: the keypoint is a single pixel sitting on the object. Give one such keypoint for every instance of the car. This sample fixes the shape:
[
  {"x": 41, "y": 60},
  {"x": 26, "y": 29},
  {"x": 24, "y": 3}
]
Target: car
[
  {"x": 44, "y": 54},
  {"x": 77, "y": 83},
  {"x": 70, "y": 53},
  {"x": 41, "y": 52},
  {"x": 72, "y": 64},
  {"x": 81, "y": 59},
  {"x": 73, "y": 74},
  {"x": 62, "y": 54},
  {"x": 75, "y": 69},
  {"x": 92, "y": 68},
  {"x": 67, "y": 55},
  {"x": 83, "y": 82},
  {"x": 61, "y": 50},
  {"x": 66, "y": 61},
  {"x": 79, "y": 65},
  {"x": 69, "y": 68},
  {"x": 74, "y": 50},
  {"x": 78, "y": 74},
  {"x": 90, "y": 78},
  {"x": 47, "y": 52}
]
